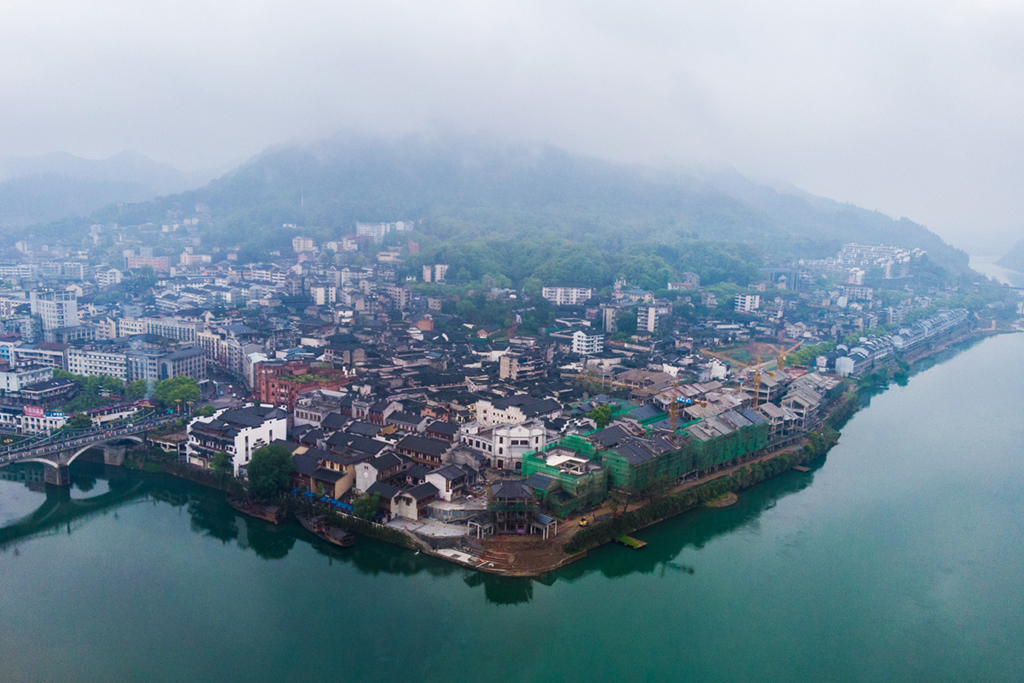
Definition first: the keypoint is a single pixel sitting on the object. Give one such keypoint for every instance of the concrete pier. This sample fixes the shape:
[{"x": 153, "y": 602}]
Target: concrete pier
[
  {"x": 113, "y": 454},
  {"x": 57, "y": 476}
]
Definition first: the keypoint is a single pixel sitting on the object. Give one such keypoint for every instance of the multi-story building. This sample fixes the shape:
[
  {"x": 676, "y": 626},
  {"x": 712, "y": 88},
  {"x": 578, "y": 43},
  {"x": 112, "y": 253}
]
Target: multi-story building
[
  {"x": 108, "y": 277},
  {"x": 55, "y": 309},
  {"x": 322, "y": 295},
  {"x": 16, "y": 379},
  {"x": 525, "y": 366},
  {"x": 160, "y": 264},
  {"x": 95, "y": 363},
  {"x": 505, "y": 445},
  {"x": 587, "y": 344},
  {"x": 747, "y": 303},
  {"x": 649, "y": 317},
  {"x": 302, "y": 244},
  {"x": 567, "y": 296},
  {"x": 162, "y": 363},
  {"x": 515, "y": 410},
  {"x": 19, "y": 271},
  {"x": 400, "y": 296},
  {"x": 376, "y": 231},
  {"x": 237, "y": 432},
  {"x": 280, "y": 383},
  {"x": 172, "y": 328}
]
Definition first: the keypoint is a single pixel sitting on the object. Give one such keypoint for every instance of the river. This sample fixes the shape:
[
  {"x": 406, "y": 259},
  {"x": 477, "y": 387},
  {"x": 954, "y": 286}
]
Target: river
[{"x": 899, "y": 557}]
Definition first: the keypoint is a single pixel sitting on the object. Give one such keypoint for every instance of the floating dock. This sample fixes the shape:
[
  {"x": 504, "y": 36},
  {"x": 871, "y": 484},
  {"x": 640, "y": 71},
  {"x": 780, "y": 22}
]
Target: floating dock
[{"x": 630, "y": 542}]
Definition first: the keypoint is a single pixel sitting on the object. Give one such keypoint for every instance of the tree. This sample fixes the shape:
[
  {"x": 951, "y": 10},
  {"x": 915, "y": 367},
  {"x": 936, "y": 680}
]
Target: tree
[
  {"x": 79, "y": 422},
  {"x": 268, "y": 470},
  {"x": 367, "y": 506},
  {"x": 170, "y": 392},
  {"x": 601, "y": 415},
  {"x": 136, "y": 390},
  {"x": 656, "y": 489},
  {"x": 221, "y": 463},
  {"x": 205, "y": 411}
]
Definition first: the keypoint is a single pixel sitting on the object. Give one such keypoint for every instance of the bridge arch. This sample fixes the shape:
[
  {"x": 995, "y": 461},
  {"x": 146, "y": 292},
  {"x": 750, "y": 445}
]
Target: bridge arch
[
  {"x": 45, "y": 461},
  {"x": 100, "y": 444}
]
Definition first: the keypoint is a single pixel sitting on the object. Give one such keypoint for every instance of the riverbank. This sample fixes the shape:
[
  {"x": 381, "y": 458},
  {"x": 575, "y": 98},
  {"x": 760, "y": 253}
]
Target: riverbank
[
  {"x": 524, "y": 557},
  {"x": 527, "y": 557}
]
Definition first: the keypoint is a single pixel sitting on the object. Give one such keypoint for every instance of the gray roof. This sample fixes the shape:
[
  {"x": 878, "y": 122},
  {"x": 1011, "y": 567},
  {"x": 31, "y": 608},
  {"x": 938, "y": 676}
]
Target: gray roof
[
  {"x": 383, "y": 490},
  {"x": 422, "y": 491},
  {"x": 505, "y": 490},
  {"x": 386, "y": 461},
  {"x": 450, "y": 472},
  {"x": 539, "y": 481},
  {"x": 423, "y": 444}
]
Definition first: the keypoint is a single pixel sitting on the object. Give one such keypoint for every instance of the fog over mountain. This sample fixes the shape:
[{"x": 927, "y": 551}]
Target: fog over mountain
[
  {"x": 465, "y": 188},
  {"x": 908, "y": 107},
  {"x": 51, "y": 186}
]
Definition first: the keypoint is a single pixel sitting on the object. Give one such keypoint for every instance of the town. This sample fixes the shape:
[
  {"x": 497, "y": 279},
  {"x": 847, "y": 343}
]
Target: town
[{"x": 482, "y": 423}]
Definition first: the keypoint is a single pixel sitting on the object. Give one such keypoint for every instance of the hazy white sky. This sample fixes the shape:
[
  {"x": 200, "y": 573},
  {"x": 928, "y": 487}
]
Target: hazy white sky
[{"x": 911, "y": 107}]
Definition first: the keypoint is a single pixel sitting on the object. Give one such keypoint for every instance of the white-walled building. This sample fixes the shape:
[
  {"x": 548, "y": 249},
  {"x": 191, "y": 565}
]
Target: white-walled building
[
  {"x": 16, "y": 379},
  {"x": 587, "y": 344},
  {"x": 97, "y": 363},
  {"x": 747, "y": 303},
  {"x": 567, "y": 296},
  {"x": 55, "y": 309},
  {"x": 515, "y": 410},
  {"x": 236, "y": 432},
  {"x": 301, "y": 244},
  {"x": 505, "y": 445},
  {"x": 107, "y": 277}
]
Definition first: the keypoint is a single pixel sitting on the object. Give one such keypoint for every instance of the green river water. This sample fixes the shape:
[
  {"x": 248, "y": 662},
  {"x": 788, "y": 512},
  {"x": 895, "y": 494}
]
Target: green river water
[{"x": 900, "y": 557}]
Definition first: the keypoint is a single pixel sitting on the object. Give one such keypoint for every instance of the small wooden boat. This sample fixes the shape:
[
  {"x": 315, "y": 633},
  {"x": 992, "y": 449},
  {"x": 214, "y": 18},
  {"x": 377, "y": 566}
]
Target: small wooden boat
[
  {"x": 321, "y": 526},
  {"x": 268, "y": 513}
]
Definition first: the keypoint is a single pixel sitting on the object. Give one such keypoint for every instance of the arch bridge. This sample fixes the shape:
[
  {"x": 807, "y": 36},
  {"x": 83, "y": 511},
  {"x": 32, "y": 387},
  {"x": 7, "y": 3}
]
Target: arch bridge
[{"x": 58, "y": 450}]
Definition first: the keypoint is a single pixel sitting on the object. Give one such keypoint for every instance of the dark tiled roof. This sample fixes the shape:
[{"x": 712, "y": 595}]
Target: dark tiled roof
[
  {"x": 386, "y": 461},
  {"x": 441, "y": 427},
  {"x": 341, "y": 440},
  {"x": 417, "y": 472},
  {"x": 363, "y": 429},
  {"x": 506, "y": 490},
  {"x": 422, "y": 491},
  {"x": 423, "y": 444},
  {"x": 539, "y": 481},
  {"x": 330, "y": 476},
  {"x": 386, "y": 491},
  {"x": 333, "y": 421},
  {"x": 450, "y": 472}
]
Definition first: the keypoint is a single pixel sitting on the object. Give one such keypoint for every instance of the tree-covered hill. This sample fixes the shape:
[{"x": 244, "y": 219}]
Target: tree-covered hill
[{"x": 471, "y": 189}]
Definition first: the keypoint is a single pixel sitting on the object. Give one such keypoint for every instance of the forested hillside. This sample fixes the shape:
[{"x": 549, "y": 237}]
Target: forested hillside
[{"x": 487, "y": 207}]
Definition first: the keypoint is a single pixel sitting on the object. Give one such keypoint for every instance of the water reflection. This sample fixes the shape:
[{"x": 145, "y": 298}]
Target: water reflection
[{"x": 211, "y": 516}]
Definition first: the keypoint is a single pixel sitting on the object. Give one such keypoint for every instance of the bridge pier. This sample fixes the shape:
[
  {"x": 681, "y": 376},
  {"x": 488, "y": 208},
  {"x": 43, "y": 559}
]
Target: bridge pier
[
  {"x": 57, "y": 476},
  {"x": 113, "y": 454}
]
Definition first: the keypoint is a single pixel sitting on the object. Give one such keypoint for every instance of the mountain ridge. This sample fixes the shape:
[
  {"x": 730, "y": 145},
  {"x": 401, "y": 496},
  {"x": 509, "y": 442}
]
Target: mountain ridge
[{"x": 467, "y": 188}]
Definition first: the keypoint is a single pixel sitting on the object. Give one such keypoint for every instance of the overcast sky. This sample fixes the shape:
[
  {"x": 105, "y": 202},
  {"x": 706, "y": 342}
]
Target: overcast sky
[{"x": 910, "y": 107}]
